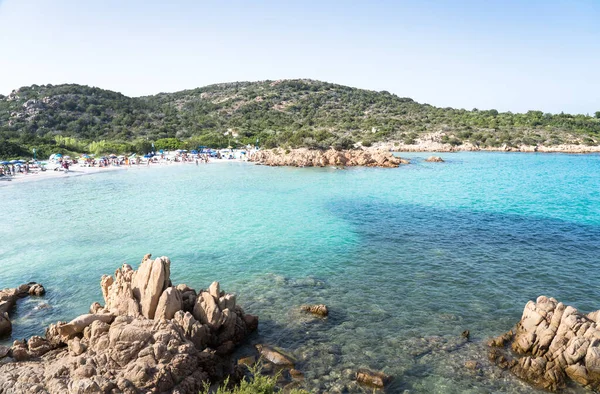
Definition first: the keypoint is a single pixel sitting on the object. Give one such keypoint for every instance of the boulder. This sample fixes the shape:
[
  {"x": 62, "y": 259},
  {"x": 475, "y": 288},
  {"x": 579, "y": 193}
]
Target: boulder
[
  {"x": 148, "y": 283},
  {"x": 319, "y": 310},
  {"x": 206, "y": 310},
  {"x": 4, "y": 351},
  {"x": 169, "y": 303},
  {"x": 5, "y": 325},
  {"x": 434, "y": 159},
  {"x": 36, "y": 290},
  {"x": 275, "y": 356},
  {"x": 555, "y": 343},
  {"x": 372, "y": 378}
]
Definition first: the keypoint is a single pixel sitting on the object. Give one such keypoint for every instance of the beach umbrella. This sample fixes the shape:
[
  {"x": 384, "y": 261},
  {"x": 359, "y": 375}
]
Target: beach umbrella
[
  {"x": 3, "y": 163},
  {"x": 161, "y": 151},
  {"x": 13, "y": 161},
  {"x": 58, "y": 155},
  {"x": 67, "y": 157},
  {"x": 194, "y": 151}
]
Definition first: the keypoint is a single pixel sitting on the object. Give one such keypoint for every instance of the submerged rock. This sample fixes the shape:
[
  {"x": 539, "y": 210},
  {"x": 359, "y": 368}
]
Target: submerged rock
[
  {"x": 275, "y": 356},
  {"x": 320, "y": 310},
  {"x": 120, "y": 348},
  {"x": 372, "y": 378},
  {"x": 555, "y": 343}
]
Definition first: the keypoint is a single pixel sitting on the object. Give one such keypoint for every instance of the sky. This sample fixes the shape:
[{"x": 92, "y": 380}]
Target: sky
[{"x": 508, "y": 55}]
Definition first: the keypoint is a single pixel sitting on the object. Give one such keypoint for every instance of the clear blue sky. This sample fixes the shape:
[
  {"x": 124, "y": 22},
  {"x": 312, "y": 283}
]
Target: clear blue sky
[{"x": 508, "y": 55}]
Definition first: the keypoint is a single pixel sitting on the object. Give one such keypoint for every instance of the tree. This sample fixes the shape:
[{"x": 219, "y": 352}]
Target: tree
[{"x": 597, "y": 114}]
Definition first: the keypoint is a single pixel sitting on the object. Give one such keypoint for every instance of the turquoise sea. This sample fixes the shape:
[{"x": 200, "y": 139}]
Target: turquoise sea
[{"x": 406, "y": 259}]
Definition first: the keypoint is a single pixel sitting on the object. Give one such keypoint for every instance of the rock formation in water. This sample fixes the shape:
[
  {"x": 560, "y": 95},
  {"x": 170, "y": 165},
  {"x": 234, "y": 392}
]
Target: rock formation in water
[
  {"x": 148, "y": 337},
  {"x": 8, "y": 299},
  {"x": 319, "y": 310},
  {"x": 434, "y": 159},
  {"x": 555, "y": 343},
  {"x": 323, "y": 158}
]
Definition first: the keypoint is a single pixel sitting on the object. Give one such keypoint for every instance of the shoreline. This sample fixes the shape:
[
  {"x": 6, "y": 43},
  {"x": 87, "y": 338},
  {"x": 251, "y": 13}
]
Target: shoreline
[
  {"x": 433, "y": 146},
  {"x": 76, "y": 171}
]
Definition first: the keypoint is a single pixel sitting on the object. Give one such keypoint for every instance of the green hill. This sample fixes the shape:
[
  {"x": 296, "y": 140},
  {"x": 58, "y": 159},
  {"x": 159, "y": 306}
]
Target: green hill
[{"x": 290, "y": 113}]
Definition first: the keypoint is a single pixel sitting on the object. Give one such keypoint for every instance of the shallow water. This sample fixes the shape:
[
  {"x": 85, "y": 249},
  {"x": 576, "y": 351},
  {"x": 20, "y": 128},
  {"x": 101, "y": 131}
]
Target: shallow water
[{"x": 405, "y": 258}]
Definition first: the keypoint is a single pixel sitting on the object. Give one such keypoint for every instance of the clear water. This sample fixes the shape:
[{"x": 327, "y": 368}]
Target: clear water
[{"x": 405, "y": 258}]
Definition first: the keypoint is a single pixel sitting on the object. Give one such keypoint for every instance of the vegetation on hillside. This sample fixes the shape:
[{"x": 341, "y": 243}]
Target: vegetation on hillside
[{"x": 289, "y": 113}]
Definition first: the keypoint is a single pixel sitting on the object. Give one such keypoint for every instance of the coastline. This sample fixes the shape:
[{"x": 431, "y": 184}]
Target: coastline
[
  {"x": 433, "y": 146},
  {"x": 81, "y": 171}
]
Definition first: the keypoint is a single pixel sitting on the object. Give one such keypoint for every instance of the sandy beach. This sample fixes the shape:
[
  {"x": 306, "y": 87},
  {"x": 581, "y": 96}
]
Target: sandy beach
[{"x": 77, "y": 170}]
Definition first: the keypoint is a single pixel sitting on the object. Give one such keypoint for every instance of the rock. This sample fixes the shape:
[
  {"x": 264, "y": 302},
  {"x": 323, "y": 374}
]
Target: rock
[
  {"x": 96, "y": 308},
  {"x": 372, "y": 378},
  {"x": 274, "y": 356},
  {"x": 8, "y": 299},
  {"x": 466, "y": 334},
  {"x": 19, "y": 351},
  {"x": 5, "y": 325},
  {"x": 118, "y": 292},
  {"x": 319, "y": 310},
  {"x": 434, "y": 159},
  {"x": 76, "y": 347},
  {"x": 169, "y": 303},
  {"x": 321, "y": 158},
  {"x": 148, "y": 283},
  {"x": 555, "y": 343},
  {"x": 37, "y": 290},
  {"x": 472, "y": 364},
  {"x": 120, "y": 349},
  {"x": 215, "y": 290},
  {"x": 206, "y": 310},
  {"x": 62, "y": 332},
  {"x": 248, "y": 361},
  {"x": 296, "y": 374},
  {"x": 251, "y": 322},
  {"x": 4, "y": 351}
]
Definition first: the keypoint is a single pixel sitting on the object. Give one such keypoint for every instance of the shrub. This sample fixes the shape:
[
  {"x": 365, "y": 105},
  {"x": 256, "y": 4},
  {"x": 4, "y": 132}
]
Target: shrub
[{"x": 258, "y": 384}]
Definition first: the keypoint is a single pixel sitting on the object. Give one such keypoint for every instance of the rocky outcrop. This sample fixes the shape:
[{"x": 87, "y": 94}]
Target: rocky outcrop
[
  {"x": 118, "y": 347},
  {"x": 434, "y": 159},
  {"x": 8, "y": 299},
  {"x": 323, "y": 158},
  {"x": 555, "y": 343}
]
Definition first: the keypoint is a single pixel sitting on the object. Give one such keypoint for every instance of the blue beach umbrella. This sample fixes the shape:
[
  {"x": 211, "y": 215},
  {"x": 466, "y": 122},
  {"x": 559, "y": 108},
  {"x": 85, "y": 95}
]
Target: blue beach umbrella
[
  {"x": 194, "y": 152},
  {"x": 3, "y": 163},
  {"x": 58, "y": 155},
  {"x": 13, "y": 161}
]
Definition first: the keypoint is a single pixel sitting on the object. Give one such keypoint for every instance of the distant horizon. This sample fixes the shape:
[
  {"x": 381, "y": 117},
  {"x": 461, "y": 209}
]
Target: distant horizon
[
  {"x": 297, "y": 79},
  {"x": 507, "y": 55}
]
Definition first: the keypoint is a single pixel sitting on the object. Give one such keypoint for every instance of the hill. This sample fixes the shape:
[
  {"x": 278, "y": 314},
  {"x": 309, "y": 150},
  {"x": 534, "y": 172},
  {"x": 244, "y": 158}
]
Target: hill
[{"x": 288, "y": 113}]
